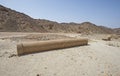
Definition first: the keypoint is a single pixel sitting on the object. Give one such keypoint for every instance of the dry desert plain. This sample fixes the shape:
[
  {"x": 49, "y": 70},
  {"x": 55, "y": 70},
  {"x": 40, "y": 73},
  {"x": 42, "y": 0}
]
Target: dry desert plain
[{"x": 98, "y": 58}]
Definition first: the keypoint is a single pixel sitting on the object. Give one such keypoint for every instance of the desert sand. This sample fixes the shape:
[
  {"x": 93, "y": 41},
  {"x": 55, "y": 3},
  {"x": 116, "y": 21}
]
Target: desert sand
[{"x": 98, "y": 58}]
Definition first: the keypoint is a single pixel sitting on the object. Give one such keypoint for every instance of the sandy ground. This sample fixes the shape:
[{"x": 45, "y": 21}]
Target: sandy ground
[{"x": 98, "y": 58}]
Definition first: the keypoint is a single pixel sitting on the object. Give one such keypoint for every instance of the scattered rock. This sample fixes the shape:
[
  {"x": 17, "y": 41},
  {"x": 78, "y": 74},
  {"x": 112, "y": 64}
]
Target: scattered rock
[
  {"x": 12, "y": 55},
  {"x": 102, "y": 71},
  {"x": 108, "y": 38},
  {"x": 114, "y": 44},
  {"x": 54, "y": 74},
  {"x": 45, "y": 67},
  {"x": 37, "y": 75}
]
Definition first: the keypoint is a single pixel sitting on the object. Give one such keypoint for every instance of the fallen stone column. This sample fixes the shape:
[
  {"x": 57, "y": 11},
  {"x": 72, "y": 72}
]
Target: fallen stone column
[{"x": 39, "y": 46}]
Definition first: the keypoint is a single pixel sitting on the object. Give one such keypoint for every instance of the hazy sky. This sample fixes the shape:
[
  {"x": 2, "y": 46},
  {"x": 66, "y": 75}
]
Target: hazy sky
[{"x": 100, "y": 12}]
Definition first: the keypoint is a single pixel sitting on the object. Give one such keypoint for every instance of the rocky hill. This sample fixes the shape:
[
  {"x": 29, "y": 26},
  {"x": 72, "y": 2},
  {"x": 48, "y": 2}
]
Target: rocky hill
[
  {"x": 117, "y": 30},
  {"x": 13, "y": 21}
]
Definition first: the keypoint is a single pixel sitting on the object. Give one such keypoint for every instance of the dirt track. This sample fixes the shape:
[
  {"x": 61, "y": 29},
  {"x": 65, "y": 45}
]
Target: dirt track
[{"x": 95, "y": 59}]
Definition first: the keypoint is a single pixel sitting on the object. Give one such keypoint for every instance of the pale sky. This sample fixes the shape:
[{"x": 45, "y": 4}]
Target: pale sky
[{"x": 99, "y": 12}]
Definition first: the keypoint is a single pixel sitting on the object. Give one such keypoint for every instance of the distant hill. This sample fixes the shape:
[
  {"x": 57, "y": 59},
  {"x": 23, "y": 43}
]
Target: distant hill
[
  {"x": 117, "y": 30},
  {"x": 13, "y": 21}
]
